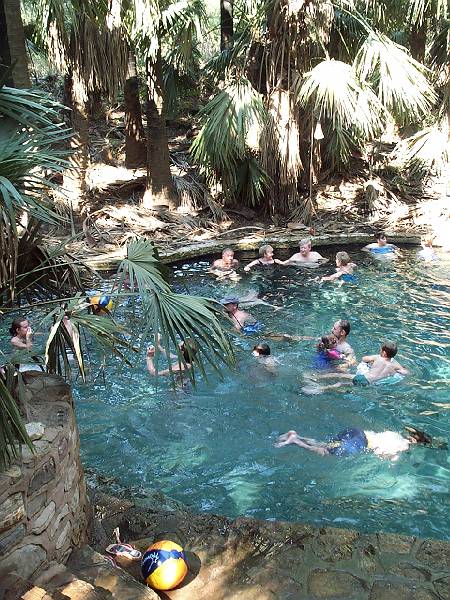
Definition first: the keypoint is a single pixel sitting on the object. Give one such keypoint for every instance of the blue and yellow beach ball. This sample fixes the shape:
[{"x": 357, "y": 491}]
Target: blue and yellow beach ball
[
  {"x": 101, "y": 303},
  {"x": 164, "y": 565}
]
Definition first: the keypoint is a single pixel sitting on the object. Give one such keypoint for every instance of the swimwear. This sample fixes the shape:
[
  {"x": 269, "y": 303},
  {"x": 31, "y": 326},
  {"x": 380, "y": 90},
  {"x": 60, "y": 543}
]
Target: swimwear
[
  {"x": 348, "y": 278},
  {"x": 252, "y": 327},
  {"x": 360, "y": 379},
  {"x": 382, "y": 249},
  {"x": 349, "y": 441},
  {"x": 325, "y": 358}
]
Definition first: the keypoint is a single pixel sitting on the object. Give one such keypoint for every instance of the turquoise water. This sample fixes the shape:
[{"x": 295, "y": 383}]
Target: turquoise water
[{"x": 212, "y": 447}]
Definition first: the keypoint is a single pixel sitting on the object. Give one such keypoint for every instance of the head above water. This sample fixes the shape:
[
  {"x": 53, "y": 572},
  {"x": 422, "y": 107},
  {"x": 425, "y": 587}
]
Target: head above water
[
  {"x": 189, "y": 349},
  {"x": 341, "y": 329},
  {"x": 262, "y": 349},
  {"x": 228, "y": 256},
  {"x": 342, "y": 259},
  {"x": 380, "y": 236},
  {"x": 19, "y": 326},
  {"x": 327, "y": 342},
  {"x": 265, "y": 250},
  {"x": 389, "y": 349},
  {"x": 305, "y": 246}
]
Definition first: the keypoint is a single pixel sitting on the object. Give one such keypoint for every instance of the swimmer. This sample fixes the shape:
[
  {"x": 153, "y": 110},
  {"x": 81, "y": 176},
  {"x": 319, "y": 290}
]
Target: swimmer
[
  {"x": 381, "y": 365},
  {"x": 188, "y": 349},
  {"x": 226, "y": 266},
  {"x": 22, "y": 334},
  {"x": 265, "y": 259},
  {"x": 306, "y": 256},
  {"x": 386, "y": 444},
  {"x": 344, "y": 269},
  {"x": 262, "y": 353},
  {"x": 341, "y": 330},
  {"x": 239, "y": 318},
  {"x": 327, "y": 352},
  {"x": 381, "y": 246},
  {"x": 427, "y": 253}
]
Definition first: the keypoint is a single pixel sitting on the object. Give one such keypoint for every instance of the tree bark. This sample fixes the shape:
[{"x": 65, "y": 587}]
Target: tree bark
[
  {"x": 74, "y": 179},
  {"x": 13, "y": 51},
  {"x": 418, "y": 40},
  {"x": 226, "y": 24},
  {"x": 160, "y": 190},
  {"x": 135, "y": 144}
]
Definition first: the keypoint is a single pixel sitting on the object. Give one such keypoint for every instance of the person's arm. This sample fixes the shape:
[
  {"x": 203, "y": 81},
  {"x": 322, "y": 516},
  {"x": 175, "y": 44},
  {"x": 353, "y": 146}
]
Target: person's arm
[
  {"x": 161, "y": 347},
  {"x": 401, "y": 370},
  {"x": 250, "y": 265},
  {"x": 369, "y": 359},
  {"x": 151, "y": 367},
  {"x": 331, "y": 277},
  {"x": 277, "y": 261}
]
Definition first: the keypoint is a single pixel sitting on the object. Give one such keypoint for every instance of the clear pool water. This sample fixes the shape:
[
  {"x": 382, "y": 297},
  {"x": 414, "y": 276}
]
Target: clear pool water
[{"x": 212, "y": 447}]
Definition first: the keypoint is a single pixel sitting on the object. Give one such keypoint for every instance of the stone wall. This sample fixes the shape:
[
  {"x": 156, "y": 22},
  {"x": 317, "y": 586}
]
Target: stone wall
[{"x": 43, "y": 507}]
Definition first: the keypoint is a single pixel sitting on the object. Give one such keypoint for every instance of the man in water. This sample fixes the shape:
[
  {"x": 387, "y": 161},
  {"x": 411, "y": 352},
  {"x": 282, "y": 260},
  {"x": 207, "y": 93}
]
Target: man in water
[
  {"x": 226, "y": 266},
  {"x": 305, "y": 256},
  {"x": 341, "y": 330},
  {"x": 387, "y": 444},
  {"x": 239, "y": 318}
]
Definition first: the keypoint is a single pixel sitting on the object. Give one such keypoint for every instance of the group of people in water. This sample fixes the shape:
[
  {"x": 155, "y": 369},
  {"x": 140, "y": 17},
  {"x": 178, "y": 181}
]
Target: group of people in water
[{"x": 334, "y": 359}]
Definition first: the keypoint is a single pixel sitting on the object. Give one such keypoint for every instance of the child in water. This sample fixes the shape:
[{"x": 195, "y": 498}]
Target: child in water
[
  {"x": 265, "y": 259},
  {"x": 380, "y": 366},
  {"x": 261, "y": 352},
  {"x": 22, "y": 334},
  {"x": 327, "y": 352},
  {"x": 344, "y": 269},
  {"x": 427, "y": 253}
]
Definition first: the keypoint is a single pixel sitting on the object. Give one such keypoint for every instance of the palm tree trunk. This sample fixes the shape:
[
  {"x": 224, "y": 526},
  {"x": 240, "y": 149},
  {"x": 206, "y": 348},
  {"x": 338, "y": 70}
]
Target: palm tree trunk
[
  {"x": 418, "y": 40},
  {"x": 160, "y": 190},
  {"x": 135, "y": 145},
  {"x": 226, "y": 24},
  {"x": 12, "y": 44},
  {"x": 74, "y": 179}
]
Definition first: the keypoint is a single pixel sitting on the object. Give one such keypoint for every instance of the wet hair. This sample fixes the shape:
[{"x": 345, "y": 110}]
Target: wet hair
[
  {"x": 379, "y": 235},
  {"x": 262, "y": 349},
  {"x": 15, "y": 326},
  {"x": 264, "y": 249},
  {"x": 304, "y": 242},
  {"x": 227, "y": 250},
  {"x": 326, "y": 342},
  {"x": 343, "y": 258},
  {"x": 390, "y": 348},
  {"x": 189, "y": 349},
  {"x": 345, "y": 325}
]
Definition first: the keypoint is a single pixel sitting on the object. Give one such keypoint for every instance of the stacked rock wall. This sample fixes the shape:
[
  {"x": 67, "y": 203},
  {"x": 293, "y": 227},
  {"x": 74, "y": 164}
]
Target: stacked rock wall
[{"x": 43, "y": 508}]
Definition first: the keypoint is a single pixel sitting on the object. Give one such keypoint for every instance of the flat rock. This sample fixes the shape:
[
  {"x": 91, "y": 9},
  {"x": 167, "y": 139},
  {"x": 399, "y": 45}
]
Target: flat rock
[{"x": 35, "y": 430}]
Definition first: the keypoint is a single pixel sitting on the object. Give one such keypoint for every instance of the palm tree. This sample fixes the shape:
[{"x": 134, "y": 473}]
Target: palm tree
[{"x": 325, "y": 95}]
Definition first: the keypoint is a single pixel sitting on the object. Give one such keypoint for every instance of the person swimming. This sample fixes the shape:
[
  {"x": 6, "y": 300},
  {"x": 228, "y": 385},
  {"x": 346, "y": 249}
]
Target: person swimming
[
  {"x": 225, "y": 267},
  {"x": 352, "y": 441}
]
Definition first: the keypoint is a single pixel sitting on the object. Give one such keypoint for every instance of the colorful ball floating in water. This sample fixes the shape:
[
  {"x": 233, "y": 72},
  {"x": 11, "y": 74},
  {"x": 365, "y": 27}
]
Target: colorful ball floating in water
[
  {"x": 164, "y": 565},
  {"x": 101, "y": 304}
]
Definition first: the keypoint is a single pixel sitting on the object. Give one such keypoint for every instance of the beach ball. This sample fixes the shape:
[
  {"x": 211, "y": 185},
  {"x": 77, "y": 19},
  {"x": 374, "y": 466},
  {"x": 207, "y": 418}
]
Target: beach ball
[
  {"x": 164, "y": 565},
  {"x": 101, "y": 303}
]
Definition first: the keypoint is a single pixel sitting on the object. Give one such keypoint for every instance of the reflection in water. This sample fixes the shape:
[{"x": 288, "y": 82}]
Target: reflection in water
[{"x": 212, "y": 447}]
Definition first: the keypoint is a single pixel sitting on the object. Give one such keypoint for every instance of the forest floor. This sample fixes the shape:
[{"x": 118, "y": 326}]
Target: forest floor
[{"x": 360, "y": 200}]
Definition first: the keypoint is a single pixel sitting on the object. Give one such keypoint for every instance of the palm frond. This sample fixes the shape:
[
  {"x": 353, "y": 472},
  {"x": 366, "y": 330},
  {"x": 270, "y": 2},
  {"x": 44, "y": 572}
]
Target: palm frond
[{"x": 397, "y": 78}]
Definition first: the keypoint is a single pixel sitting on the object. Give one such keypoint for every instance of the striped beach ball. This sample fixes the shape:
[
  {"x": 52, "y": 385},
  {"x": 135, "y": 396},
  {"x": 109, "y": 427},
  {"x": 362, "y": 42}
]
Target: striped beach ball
[{"x": 164, "y": 565}]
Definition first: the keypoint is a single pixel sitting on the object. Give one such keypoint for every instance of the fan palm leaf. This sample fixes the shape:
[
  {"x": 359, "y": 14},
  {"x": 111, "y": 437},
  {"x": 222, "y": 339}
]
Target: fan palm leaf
[{"x": 397, "y": 78}]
